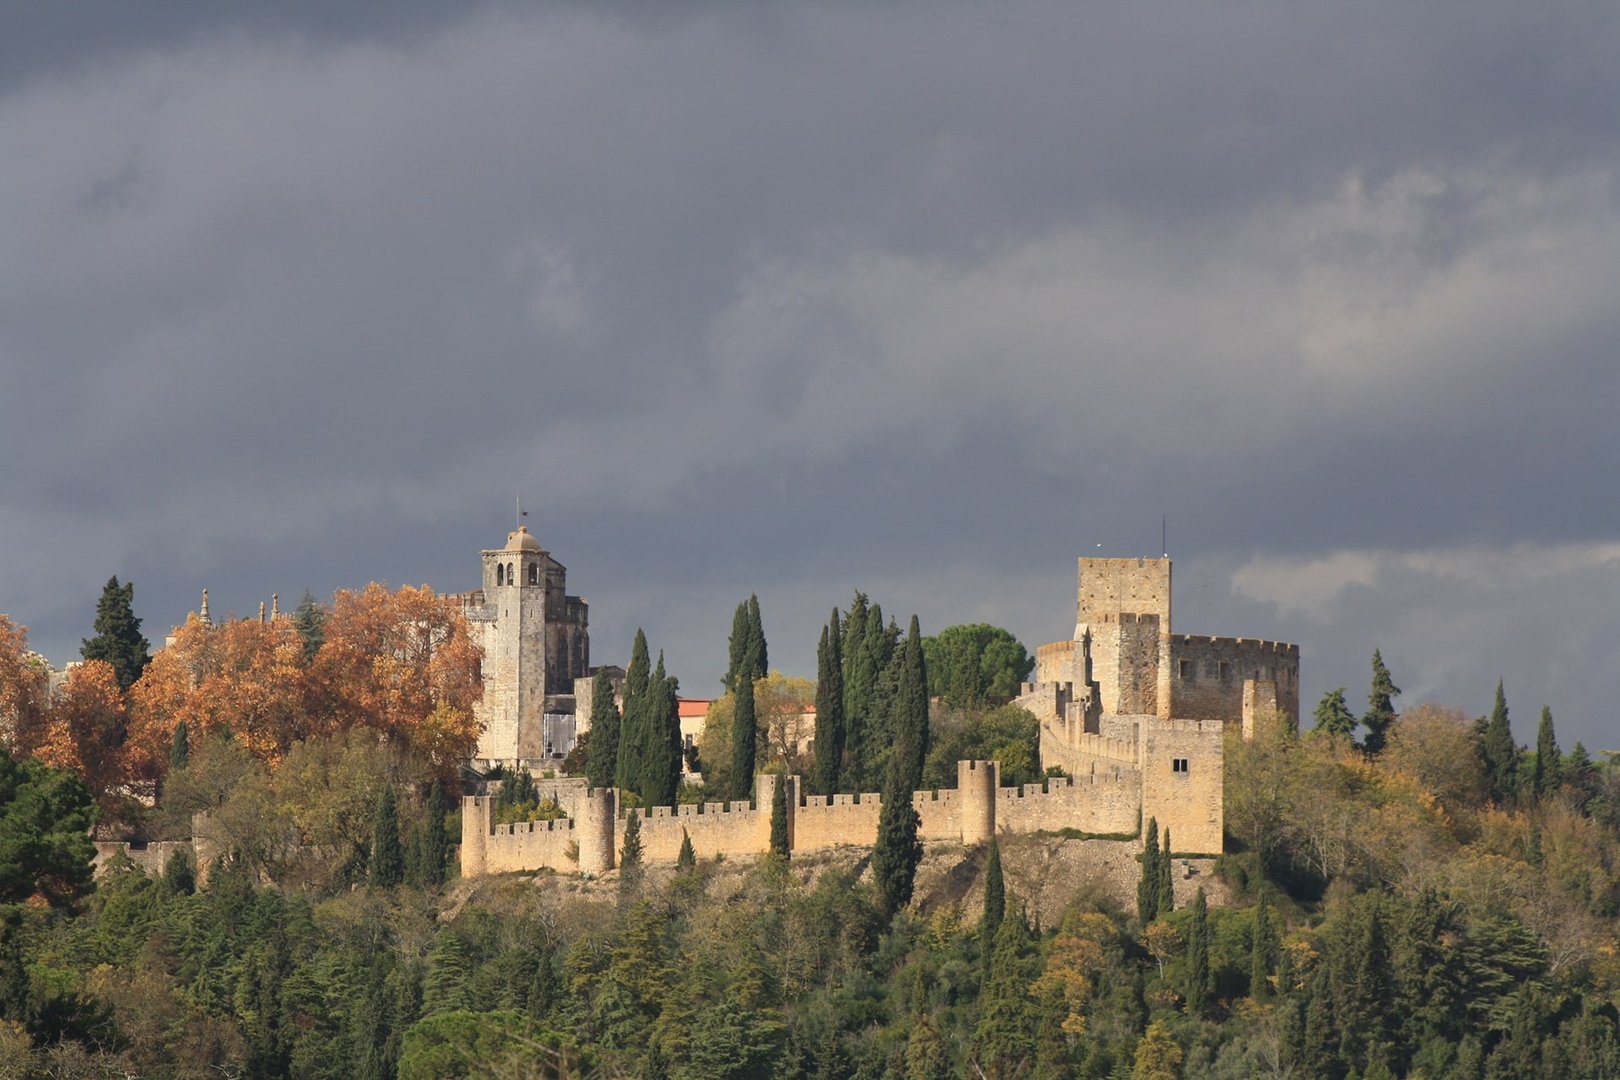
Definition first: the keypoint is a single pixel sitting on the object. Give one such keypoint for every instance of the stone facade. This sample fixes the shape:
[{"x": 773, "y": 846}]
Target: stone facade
[{"x": 536, "y": 643}]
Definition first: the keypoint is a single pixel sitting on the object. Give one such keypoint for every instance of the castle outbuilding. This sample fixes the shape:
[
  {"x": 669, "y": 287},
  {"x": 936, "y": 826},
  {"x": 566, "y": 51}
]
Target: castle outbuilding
[{"x": 536, "y": 642}]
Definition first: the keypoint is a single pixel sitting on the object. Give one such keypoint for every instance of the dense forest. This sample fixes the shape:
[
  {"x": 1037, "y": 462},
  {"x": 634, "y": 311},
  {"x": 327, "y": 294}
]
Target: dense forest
[{"x": 1413, "y": 894}]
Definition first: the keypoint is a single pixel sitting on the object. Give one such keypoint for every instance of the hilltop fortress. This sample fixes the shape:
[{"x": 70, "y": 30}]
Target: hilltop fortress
[{"x": 1133, "y": 713}]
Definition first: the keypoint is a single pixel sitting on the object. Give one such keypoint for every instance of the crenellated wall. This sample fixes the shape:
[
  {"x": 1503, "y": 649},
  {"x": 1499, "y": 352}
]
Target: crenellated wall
[
  {"x": 976, "y": 809},
  {"x": 1211, "y": 676}
]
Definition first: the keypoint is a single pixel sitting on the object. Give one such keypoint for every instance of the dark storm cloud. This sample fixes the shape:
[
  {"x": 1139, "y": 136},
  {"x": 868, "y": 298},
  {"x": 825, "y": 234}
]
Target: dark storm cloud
[{"x": 923, "y": 299}]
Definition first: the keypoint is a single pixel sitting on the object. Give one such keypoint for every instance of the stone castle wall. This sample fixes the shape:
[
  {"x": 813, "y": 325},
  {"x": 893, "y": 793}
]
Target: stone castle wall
[
  {"x": 970, "y": 813},
  {"x": 1211, "y": 675},
  {"x": 1183, "y": 778}
]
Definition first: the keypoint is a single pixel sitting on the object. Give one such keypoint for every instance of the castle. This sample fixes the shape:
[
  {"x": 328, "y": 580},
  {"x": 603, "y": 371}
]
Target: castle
[{"x": 1134, "y": 714}]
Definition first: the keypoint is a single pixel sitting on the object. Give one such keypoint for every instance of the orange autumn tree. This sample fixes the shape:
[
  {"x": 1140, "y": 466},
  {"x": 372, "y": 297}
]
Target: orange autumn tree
[
  {"x": 246, "y": 677},
  {"x": 85, "y": 729},
  {"x": 23, "y": 691},
  {"x": 405, "y": 664}
]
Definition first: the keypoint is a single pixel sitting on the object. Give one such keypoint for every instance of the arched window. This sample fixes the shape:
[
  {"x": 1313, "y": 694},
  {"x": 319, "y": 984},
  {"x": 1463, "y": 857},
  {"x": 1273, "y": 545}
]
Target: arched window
[
  {"x": 534, "y": 573},
  {"x": 510, "y": 577},
  {"x": 500, "y": 574}
]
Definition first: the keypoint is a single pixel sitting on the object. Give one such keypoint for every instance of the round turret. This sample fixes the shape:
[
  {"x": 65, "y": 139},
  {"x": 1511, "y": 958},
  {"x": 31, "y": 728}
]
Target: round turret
[{"x": 976, "y": 783}]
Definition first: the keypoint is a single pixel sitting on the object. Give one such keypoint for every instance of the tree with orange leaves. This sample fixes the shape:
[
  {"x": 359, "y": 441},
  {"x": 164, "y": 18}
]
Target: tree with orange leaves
[
  {"x": 23, "y": 690},
  {"x": 85, "y": 729},
  {"x": 246, "y": 677},
  {"x": 405, "y": 664}
]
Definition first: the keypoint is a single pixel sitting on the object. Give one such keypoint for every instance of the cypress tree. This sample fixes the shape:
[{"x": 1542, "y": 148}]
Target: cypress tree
[
  {"x": 779, "y": 818},
  {"x": 178, "y": 874},
  {"x": 630, "y": 863},
  {"x": 995, "y": 902},
  {"x": 758, "y": 655},
  {"x": 1549, "y": 761},
  {"x": 180, "y": 747},
  {"x": 738, "y": 646},
  {"x": 627, "y": 770},
  {"x": 829, "y": 708},
  {"x": 602, "y": 752},
  {"x": 309, "y": 619},
  {"x": 743, "y": 740},
  {"x": 1333, "y": 716},
  {"x": 1380, "y": 706},
  {"x": 1500, "y": 754},
  {"x": 909, "y": 710},
  {"x": 118, "y": 638},
  {"x": 898, "y": 850},
  {"x": 857, "y": 688},
  {"x": 1167, "y": 887},
  {"x": 1197, "y": 963},
  {"x": 387, "y": 854},
  {"x": 687, "y": 859},
  {"x": 432, "y": 847},
  {"x": 1147, "y": 886},
  {"x": 1263, "y": 950},
  {"x": 1003, "y": 1041},
  {"x": 661, "y": 753}
]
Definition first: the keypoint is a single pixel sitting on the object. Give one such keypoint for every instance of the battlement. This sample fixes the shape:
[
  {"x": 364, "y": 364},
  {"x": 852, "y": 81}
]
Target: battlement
[
  {"x": 1185, "y": 727},
  {"x": 1255, "y": 645}
]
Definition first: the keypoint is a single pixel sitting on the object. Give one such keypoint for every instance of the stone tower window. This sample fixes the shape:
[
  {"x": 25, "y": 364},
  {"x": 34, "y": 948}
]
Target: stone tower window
[
  {"x": 500, "y": 574},
  {"x": 1186, "y": 669},
  {"x": 1179, "y": 765},
  {"x": 1225, "y": 671},
  {"x": 510, "y": 577},
  {"x": 534, "y": 573}
]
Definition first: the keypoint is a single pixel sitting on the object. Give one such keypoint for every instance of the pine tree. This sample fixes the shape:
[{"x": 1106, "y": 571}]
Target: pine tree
[
  {"x": 1167, "y": 886},
  {"x": 309, "y": 619},
  {"x": 632, "y": 727},
  {"x": 779, "y": 818},
  {"x": 1549, "y": 772},
  {"x": 926, "y": 1055},
  {"x": 744, "y": 737},
  {"x": 687, "y": 859},
  {"x": 908, "y": 712},
  {"x": 444, "y": 988},
  {"x": 1147, "y": 886},
  {"x": 1197, "y": 962},
  {"x": 1333, "y": 716},
  {"x": 603, "y": 749},
  {"x": 1380, "y": 706},
  {"x": 898, "y": 849},
  {"x": 1500, "y": 754},
  {"x": 829, "y": 708},
  {"x": 1003, "y": 1041},
  {"x": 118, "y": 638},
  {"x": 630, "y": 861},
  {"x": 387, "y": 854},
  {"x": 180, "y": 747},
  {"x": 1263, "y": 950},
  {"x": 178, "y": 874}
]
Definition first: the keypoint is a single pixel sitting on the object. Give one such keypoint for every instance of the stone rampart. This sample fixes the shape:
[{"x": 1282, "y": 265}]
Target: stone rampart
[
  {"x": 151, "y": 858},
  {"x": 1209, "y": 676},
  {"x": 1101, "y": 804}
]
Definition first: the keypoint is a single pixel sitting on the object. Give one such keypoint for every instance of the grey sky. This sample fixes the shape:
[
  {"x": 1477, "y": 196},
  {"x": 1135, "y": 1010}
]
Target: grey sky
[{"x": 923, "y": 299}]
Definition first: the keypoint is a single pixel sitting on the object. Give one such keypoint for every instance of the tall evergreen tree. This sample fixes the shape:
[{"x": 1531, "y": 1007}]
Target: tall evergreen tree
[
  {"x": 1333, "y": 716},
  {"x": 898, "y": 849},
  {"x": 1500, "y": 754},
  {"x": 1549, "y": 772},
  {"x": 1003, "y": 1042},
  {"x": 1147, "y": 886},
  {"x": 631, "y": 868},
  {"x": 687, "y": 858},
  {"x": 118, "y": 638},
  {"x": 444, "y": 988},
  {"x": 857, "y": 689},
  {"x": 387, "y": 853},
  {"x": 829, "y": 708},
  {"x": 309, "y": 619},
  {"x": 747, "y": 645},
  {"x": 758, "y": 653},
  {"x": 1380, "y": 706},
  {"x": 1197, "y": 962},
  {"x": 661, "y": 755},
  {"x": 627, "y": 770},
  {"x": 602, "y": 752},
  {"x": 1167, "y": 887},
  {"x": 995, "y": 901},
  {"x": 744, "y": 740},
  {"x": 180, "y": 747},
  {"x": 908, "y": 711},
  {"x": 1264, "y": 948},
  {"x": 779, "y": 817}
]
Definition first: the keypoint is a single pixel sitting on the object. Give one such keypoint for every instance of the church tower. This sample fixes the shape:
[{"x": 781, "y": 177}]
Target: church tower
[{"x": 536, "y": 642}]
